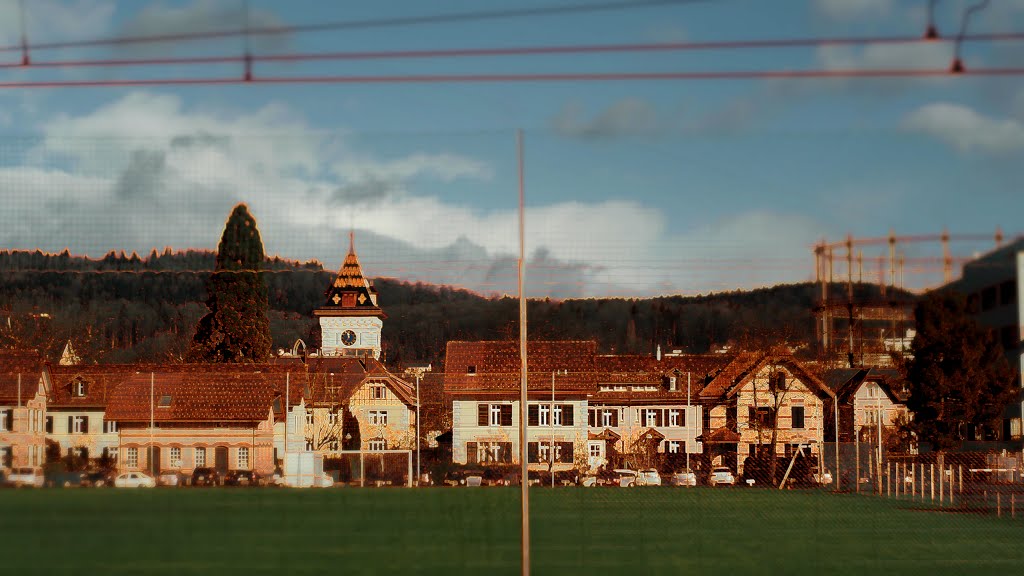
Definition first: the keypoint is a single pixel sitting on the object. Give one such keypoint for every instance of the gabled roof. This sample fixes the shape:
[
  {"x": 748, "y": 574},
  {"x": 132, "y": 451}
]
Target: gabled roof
[
  {"x": 645, "y": 370},
  {"x": 30, "y": 365},
  {"x": 237, "y": 395},
  {"x": 845, "y": 382},
  {"x": 747, "y": 364},
  {"x": 336, "y": 379},
  {"x": 494, "y": 366},
  {"x": 100, "y": 380}
]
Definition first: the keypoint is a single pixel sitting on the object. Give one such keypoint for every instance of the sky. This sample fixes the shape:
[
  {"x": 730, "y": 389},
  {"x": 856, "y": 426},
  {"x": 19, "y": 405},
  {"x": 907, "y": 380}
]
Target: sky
[{"x": 633, "y": 188}]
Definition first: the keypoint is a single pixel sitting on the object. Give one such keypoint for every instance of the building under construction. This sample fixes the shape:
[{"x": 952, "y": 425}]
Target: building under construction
[{"x": 868, "y": 287}]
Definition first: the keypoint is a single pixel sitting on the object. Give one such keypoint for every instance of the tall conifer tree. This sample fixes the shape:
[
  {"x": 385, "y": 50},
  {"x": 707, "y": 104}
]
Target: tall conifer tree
[{"x": 236, "y": 328}]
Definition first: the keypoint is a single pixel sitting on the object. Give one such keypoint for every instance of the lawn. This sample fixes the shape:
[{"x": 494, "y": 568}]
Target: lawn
[{"x": 476, "y": 531}]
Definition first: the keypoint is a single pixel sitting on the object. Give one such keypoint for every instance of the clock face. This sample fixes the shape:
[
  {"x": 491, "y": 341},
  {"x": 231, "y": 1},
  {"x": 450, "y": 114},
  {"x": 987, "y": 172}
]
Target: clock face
[{"x": 348, "y": 337}]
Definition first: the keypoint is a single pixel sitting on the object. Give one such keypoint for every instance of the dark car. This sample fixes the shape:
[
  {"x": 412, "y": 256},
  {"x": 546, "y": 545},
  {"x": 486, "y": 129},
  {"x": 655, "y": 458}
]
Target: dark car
[
  {"x": 98, "y": 479},
  {"x": 242, "y": 478},
  {"x": 205, "y": 477}
]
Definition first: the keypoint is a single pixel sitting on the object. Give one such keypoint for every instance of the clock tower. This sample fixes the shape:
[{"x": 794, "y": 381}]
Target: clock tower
[{"x": 350, "y": 320}]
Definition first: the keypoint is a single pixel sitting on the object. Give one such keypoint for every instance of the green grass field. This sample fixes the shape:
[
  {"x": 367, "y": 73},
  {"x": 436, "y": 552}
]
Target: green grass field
[{"x": 476, "y": 531}]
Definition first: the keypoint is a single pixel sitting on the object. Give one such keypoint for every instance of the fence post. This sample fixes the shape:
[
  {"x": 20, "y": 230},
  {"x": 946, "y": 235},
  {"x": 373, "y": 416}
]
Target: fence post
[
  {"x": 941, "y": 481},
  {"x": 896, "y": 488},
  {"x": 931, "y": 481},
  {"x": 999, "y": 509},
  {"x": 888, "y": 480},
  {"x": 362, "y": 469},
  {"x": 951, "y": 485},
  {"x": 960, "y": 473}
]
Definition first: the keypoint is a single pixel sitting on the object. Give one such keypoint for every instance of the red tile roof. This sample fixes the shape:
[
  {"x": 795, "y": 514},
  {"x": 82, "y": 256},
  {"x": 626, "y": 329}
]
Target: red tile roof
[
  {"x": 234, "y": 395},
  {"x": 747, "y": 364},
  {"x": 336, "y": 379},
  {"x": 29, "y": 364},
  {"x": 643, "y": 370},
  {"x": 496, "y": 366}
]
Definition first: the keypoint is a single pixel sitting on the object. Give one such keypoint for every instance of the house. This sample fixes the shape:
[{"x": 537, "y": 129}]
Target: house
[
  {"x": 645, "y": 409},
  {"x": 868, "y": 398},
  {"x": 76, "y": 408},
  {"x": 24, "y": 384},
  {"x": 483, "y": 380},
  {"x": 758, "y": 394},
  {"x": 180, "y": 419}
]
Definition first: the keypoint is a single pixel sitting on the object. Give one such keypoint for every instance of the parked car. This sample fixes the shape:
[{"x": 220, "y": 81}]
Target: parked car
[
  {"x": 589, "y": 481},
  {"x": 627, "y": 478},
  {"x": 242, "y": 478},
  {"x": 686, "y": 478},
  {"x": 26, "y": 476},
  {"x": 170, "y": 478},
  {"x": 648, "y": 477},
  {"x": 134, "y": 480},
  {"x": 205, "y": 477},
  {"x": 98, "y": 479},
  {"x": 721, "y": 475}
]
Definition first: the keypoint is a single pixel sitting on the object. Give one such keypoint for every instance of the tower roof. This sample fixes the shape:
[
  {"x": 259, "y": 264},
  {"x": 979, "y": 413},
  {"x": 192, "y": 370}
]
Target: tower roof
[{"x": 351, "y": 294}]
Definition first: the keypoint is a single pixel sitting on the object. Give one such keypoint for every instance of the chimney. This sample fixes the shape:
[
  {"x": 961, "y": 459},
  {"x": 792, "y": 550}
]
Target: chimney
[{"x": 657, "y": 353}]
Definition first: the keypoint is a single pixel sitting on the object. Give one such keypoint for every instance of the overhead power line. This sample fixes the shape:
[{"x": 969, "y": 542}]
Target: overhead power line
[
  {"x": 501, "y": 52},
  {"x": 515, "y": 78},
  {"x": 364, "y": 24}
]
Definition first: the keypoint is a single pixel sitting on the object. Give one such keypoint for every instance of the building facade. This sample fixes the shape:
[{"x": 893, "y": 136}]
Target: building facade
[{"x": 24, "y": 385}]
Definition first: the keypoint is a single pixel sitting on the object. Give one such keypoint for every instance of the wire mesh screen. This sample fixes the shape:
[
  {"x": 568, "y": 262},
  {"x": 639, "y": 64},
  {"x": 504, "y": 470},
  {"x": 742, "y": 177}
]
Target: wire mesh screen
[{"x": 629, "y": 286}]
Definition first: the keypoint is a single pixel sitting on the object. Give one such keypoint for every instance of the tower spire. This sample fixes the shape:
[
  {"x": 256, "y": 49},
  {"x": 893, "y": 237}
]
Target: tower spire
[{"x": 351, "y": 241}]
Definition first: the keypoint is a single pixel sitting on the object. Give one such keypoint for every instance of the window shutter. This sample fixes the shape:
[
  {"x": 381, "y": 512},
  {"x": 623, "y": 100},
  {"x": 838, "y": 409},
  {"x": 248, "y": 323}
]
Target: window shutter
[
  {"x": 592, "y": 418},
  {"x": 506, "y": 415},
  {"x": 9, "y": 415},
  {"x": 481, "y": 414},
  {"x": 566, "y": 454},
  {"x": 471, "y": 452},
  {"x": 85, "y": 424},
  {"x": 506, "y": 450},
  {"x": 531, "y": 452},
  {"x": 71, "y": 424},
  {"x": 682, "y": 417},
  {"x": 567, "y": 415},
  {"x": 533, "y": 415},
  {"x": 659, "y": 418},
  {"x": 615, "y": 418}
]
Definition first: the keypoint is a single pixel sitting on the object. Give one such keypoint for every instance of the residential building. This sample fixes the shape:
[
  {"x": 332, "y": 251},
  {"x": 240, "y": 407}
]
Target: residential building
[
  {"x": 24, "y": 385},
  {"x": 759, "y": 393},
  {"x": 76, "y": 408},
  {"x": 870, "y": 400},
  {"x": 483, "y": 380},
  {"x": 645, "y": 409},
  {"x": 181, "y": 419}
]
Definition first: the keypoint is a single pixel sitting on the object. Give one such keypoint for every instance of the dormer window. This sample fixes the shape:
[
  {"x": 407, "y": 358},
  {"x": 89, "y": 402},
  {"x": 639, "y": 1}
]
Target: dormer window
[
  {"x": 471, "y": 369},
  {"x": 79, "y": 388},
  {"x": 165, "y": 401}
]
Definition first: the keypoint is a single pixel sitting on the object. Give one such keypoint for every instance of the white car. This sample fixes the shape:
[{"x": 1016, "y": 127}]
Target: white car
[
  {"x": 134, "y": 480},
  {"x": 721, "y": 475},
  {"x": 26, "y": 477},
  {"x": 686, "y": 478},
  {"x": 648, "y": 477},
  {"x": 626, "y": 477}
]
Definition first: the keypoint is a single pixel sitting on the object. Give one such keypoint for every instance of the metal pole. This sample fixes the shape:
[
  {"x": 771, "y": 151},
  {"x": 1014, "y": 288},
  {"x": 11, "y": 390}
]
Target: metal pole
[
  {"x": 362, "y": 466},
  {"x": 856, "y": 453},
  {"x": 835, "y": 409},
  {"x": 151, "y": 424},
  {"x": 689, "y": 423},
  {"x": 419, "y": 439},
  {"x": 523, "y": 382},
  {"x": 551, "y": 421},
  {"x": 878, "y": 461},
  {"x": 931, "y": 482},
  {"x": 287, "y": 404}
]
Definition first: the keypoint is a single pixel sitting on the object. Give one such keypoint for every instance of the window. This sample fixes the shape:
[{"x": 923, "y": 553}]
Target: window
[
  {"x": 676, "y": 418},
  {"x": 309, "y": 417},
  {"x": 132, "y": 457},
  {"x": 332, "y": 418},
  {"x": 165, "y": 401},
  {"x": 112, "y": 453},
  {"x": 491, "y": 453},
  {"x": 798, "y": 417},
  {"x": 6, "y": 456},
  {"x": 651, "y": 417},
  {"x": 378, "y": 392},
  {"x": 6, "y": 420},
  {"x": 109, "y": 426},
  {"x": 545, "y": 412},
  {"x": 243, "y": 457},
  {"x": 494, "y": 415},
  {"x": 556, "y": 415},
  {"x": 378, "y": 417},
  {"x": 988, "y": 298},
  {"x": 471, "y": 369},
  {"x": 200, "y": 457},
  {"x": 309, "y": 444},
  {"x": 610, "y": 418},
  {"x": 672, "y": 447},
  {"x": 1007, "y": 292},
  {"x": 78, "y": 424},
  {"x": 377, "y": 445},
  {"x": 175, "y": 457},
  {"x": 49, "y": 424},
  {"x": 332, "y": 443},
  {"x": 595, "y": 449},
  {"x": 761, "y": 417}
]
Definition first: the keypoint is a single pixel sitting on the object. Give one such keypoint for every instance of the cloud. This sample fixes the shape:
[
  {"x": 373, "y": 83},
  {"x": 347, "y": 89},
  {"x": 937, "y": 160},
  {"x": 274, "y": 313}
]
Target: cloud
[
  {"x": 201, "y": 16},
  {"x": 965, "y": 129},
  {"x": 628, "y": 117},
  {"x": 55, "y": 20},
  {"x": 845, "y": 10}
]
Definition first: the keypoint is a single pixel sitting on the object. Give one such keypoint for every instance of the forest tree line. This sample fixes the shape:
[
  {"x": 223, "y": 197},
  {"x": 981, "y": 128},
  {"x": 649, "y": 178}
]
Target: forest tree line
[{"x": 126, "y": 308}]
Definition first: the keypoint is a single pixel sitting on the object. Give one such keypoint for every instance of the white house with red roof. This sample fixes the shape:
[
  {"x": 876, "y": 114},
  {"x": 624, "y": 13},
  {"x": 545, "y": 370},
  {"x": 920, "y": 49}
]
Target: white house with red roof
[{"x": 24, "y": 384}]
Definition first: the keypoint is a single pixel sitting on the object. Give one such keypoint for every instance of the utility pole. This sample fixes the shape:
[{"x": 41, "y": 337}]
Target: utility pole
[
  {"x": 551, "y": 417},
  {"x": 878, "y": 461},
  {"x": 523, "y": 374},
  {"x": 152, "y": 465},
  {"x": 419, "y": 439},
  {"x": 689, "y": 424}
]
